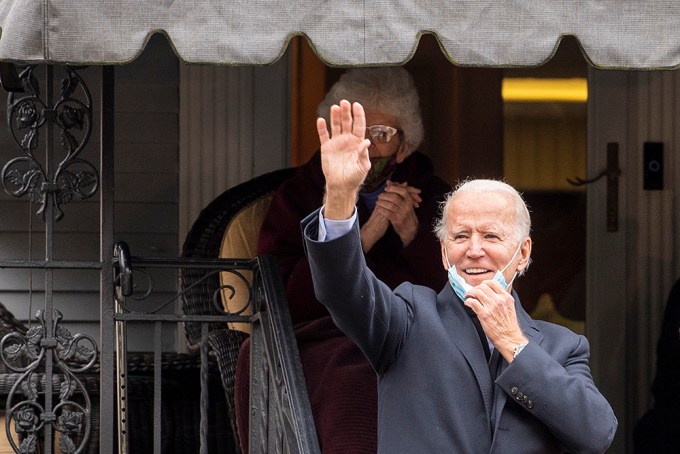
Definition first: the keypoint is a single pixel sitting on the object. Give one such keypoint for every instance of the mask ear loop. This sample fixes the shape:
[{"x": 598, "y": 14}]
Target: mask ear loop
[
  {"x": 506, "y": 266},
  {"x": 446, "y": 256}
]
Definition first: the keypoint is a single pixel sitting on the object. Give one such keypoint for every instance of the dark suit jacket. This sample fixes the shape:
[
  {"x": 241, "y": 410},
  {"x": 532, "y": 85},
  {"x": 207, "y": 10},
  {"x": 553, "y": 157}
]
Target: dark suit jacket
[{"x": 435, "y": 391}]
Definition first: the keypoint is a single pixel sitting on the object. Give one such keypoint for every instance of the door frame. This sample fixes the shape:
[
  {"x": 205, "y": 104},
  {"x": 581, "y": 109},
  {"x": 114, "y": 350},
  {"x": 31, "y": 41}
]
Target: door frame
[{"x": 605, "y": 251}]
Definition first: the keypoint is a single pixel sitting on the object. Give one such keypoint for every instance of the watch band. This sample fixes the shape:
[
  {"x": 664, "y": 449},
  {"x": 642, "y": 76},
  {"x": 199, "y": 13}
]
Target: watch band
[{"x": 518, "y": 349}]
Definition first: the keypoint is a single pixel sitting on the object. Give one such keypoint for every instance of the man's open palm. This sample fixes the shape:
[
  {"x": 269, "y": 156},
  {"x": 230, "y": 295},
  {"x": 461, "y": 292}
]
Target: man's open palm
[{"x": 344, "y": 153}]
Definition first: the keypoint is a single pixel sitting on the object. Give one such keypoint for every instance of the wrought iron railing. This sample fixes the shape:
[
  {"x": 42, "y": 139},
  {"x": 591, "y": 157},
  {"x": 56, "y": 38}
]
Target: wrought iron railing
[
  {"x": 51, "y": 404},
  {"x": 281, "y": 418},
  {"x": 31, "y": 112},
  {"x": 40, "y": 403}
]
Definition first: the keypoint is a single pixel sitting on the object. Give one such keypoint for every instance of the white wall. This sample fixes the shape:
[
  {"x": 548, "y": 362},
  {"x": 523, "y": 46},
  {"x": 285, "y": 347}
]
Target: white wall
[
  {"x": 145, "y": 201},
  {"x": 234, "y": 125}
]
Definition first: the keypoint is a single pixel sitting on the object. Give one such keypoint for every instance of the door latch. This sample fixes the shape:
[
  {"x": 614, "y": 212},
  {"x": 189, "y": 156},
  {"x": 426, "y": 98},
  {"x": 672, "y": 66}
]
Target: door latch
[{"x": 612, "y": 172}]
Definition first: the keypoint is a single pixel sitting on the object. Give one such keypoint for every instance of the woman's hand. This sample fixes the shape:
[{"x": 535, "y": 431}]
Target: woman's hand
[{"x": 398, "y": 204}]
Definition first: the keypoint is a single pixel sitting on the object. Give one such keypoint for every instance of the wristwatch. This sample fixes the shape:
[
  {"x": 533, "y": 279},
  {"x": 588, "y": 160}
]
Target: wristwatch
[{"x": 518, "y": 349}]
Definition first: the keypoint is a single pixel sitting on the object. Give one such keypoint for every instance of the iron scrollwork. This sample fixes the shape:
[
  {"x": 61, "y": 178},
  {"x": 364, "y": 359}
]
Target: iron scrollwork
[
  {"x": 31, "y": 414},
  {"x": 27, "y": 114},
  {"x": 236, "y": 285}
]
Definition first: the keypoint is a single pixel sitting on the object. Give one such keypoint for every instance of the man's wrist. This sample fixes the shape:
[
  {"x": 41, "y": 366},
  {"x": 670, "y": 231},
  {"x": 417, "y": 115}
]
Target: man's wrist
[
  {"x": 339, "y": 205},
  {"x": 331, "y": 229}
]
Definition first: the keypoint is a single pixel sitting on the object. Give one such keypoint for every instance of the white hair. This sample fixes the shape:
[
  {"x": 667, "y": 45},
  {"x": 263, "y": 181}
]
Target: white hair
[{"x": 388, "y": 90}]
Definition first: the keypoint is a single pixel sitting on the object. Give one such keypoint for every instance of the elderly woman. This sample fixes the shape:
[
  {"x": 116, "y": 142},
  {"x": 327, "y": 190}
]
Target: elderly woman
[{"x": 398, "y": 203}]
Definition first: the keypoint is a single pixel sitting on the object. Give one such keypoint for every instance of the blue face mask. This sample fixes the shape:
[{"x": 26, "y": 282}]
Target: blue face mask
[{"x": 460, "y": 287}]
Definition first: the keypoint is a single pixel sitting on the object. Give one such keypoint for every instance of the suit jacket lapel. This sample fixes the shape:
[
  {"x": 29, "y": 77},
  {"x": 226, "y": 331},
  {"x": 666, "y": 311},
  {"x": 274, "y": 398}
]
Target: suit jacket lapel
[{"x": 465, "y": 336}]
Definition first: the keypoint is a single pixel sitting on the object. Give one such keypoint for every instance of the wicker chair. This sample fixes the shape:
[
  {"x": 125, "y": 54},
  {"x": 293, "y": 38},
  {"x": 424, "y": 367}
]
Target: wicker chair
[{"x": 248, "y": 200}]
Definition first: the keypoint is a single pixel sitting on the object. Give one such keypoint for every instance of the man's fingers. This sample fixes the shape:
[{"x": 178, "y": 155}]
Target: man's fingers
[
  {"x": 364, "y": 156},
  {"x": 474, "y": 304},
  {"x": 322, "y": 130},
  {"x": 359, "y": 124},
  {"x": 348, "y": 128},
  {"x": 346, "y": 116},
  {"x": 336, "y": 125},
  {"x": 489, "y": 291}
]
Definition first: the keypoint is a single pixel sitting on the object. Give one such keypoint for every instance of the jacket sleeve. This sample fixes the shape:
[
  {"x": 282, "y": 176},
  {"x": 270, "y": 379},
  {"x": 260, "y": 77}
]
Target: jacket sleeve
[
  {"x": 361, "y": 305},
  {"x": 553, "y": 383}
]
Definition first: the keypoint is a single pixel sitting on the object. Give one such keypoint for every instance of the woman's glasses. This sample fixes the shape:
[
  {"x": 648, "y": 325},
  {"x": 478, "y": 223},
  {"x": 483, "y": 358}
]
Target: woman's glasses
[{"x": 381, "y": 133}]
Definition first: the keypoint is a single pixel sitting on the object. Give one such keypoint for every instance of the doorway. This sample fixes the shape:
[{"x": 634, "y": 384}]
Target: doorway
[
  {"x": 475, "y": 129},
  {"x": 471, "y": 131},
  {"x": 544, "y": 153}
]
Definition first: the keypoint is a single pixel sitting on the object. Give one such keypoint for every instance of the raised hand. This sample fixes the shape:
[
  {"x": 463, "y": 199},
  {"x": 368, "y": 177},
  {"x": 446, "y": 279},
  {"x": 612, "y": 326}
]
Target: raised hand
[{"x": 344, "y": 157}]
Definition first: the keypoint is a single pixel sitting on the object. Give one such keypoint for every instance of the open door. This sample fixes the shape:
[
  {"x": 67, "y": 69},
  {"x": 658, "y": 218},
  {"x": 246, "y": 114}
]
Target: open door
[{"x": 554, "y": 150}]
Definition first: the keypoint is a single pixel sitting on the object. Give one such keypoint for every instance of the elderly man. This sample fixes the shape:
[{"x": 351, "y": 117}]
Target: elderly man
[{"x": 437, "y": 391}]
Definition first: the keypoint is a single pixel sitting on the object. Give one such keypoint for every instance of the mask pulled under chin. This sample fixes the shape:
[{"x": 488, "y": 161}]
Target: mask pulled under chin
[
  {"x": 461, "y": 288},
  {"x": 381, "y": 169}
]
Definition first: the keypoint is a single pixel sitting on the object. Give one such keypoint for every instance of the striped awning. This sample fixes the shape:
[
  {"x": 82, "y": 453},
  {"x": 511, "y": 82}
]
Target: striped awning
[{"x": 630, "y": 34}]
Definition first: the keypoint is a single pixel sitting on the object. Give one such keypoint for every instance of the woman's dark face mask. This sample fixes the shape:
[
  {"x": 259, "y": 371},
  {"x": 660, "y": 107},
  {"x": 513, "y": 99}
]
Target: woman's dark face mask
[{"x": 381, "y": 169}]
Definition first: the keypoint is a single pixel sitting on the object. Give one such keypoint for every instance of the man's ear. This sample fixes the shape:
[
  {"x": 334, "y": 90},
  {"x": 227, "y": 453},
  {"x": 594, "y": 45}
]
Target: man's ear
[
  {"x": 443, "y": 249},
  {"x": 525, "y": 254}
]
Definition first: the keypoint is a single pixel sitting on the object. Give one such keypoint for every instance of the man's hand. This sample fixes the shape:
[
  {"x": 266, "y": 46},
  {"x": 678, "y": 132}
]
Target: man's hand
[
  {"x": 495, "y": 309},
  {"x": 344, "y": 157}
]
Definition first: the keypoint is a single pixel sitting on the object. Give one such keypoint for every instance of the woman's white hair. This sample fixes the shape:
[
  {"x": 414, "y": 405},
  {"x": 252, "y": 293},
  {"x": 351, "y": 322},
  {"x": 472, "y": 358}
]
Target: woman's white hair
[
  {"x": 389, "y": 90},
  {"x": 522, "y": 216}
]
